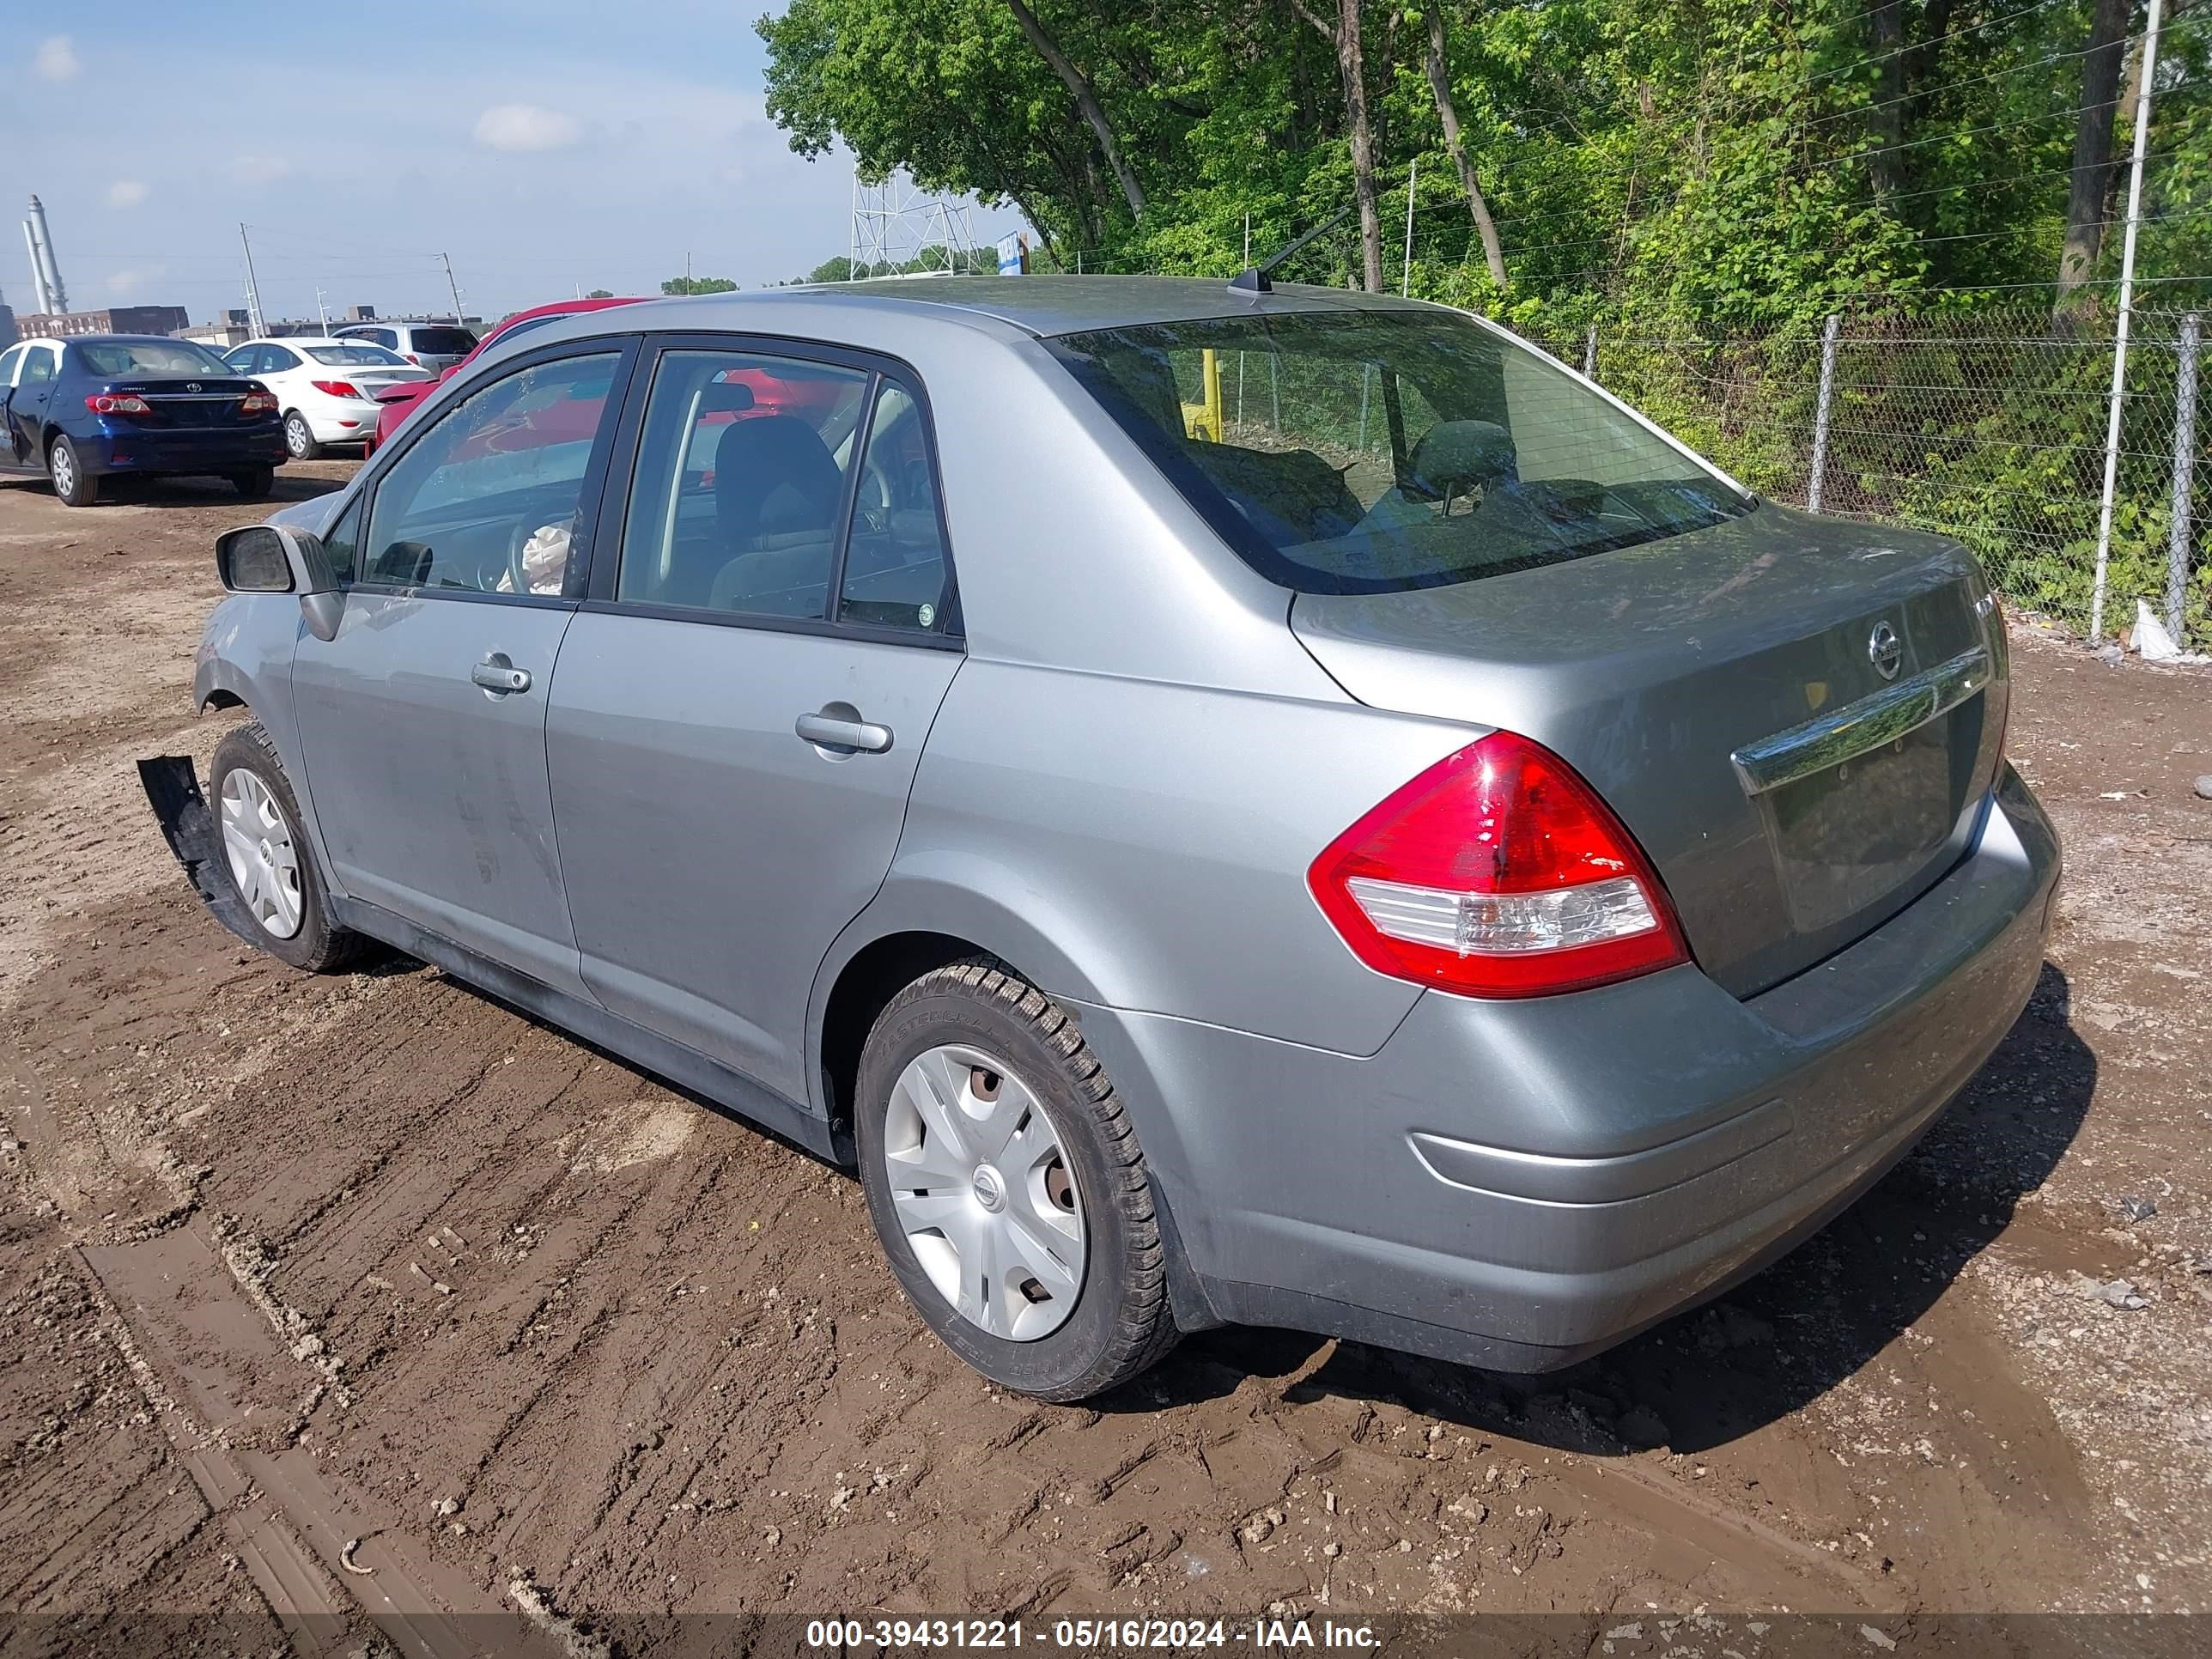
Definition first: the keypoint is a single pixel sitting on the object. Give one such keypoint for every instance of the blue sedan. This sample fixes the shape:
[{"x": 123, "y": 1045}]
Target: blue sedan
[{"x": 78, "y": 410}]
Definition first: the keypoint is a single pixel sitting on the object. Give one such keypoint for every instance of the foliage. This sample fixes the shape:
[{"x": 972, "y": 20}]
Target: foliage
[
  {"x": 1722, "y": 173},
  {"x": 600, "y": 293},
  {"x": 1717, "y": 162},
  {"x": 681, "y": 285}
]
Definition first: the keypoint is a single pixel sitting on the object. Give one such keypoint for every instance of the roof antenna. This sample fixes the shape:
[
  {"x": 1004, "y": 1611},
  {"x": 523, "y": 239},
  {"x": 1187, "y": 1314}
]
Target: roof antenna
[{"x": 1254, "y": 281}]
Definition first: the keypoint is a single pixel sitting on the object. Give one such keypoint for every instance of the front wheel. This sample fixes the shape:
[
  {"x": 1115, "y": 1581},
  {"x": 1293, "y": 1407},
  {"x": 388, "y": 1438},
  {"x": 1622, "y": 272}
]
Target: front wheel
[
  {"x": 1006, "y": 1186},
  {"x": 267, "y": 859},
  {"x": 300, "y": 439},
  {"x": 255, "y": 482},
  {"x": 71, "y": 481}
]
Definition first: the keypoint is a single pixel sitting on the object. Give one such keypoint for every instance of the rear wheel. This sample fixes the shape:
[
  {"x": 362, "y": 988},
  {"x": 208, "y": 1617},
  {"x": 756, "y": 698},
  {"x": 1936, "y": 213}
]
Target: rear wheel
[
  {"x": 300, "y": 439},
  {"x": 70, "y": 482},
  {"x": 1007, "y": 1188},
  {"x": 255, "y": 484},
  {"x": 266, "y": 857}
]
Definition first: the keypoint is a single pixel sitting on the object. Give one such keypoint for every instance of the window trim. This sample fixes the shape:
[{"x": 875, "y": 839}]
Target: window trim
[
  {"x": 614, "y": 501},
  {"x": 590, "y": 497}
]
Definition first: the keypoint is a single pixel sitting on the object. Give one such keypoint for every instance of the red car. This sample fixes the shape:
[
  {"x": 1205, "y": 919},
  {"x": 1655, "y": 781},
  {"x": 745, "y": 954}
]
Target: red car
[{"x": 398, "y": 401}]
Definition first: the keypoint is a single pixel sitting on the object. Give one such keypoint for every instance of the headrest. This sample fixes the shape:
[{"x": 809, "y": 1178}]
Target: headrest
[{"x": 1455, "y": 456}]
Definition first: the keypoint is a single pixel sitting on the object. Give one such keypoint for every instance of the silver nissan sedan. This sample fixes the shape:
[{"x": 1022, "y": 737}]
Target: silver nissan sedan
[{"x": 1226, "y": 804}]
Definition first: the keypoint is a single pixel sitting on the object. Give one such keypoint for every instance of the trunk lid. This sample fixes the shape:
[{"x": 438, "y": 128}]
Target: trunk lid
[
  {"x": 193, "y": 405},
  {"x": 1720, "y": 690}
]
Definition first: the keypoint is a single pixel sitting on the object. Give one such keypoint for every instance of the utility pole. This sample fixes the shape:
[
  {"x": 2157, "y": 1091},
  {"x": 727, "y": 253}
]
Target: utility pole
[
  {"x": 1412, "y": 177},
  {"x": 252, "y": 287},
  {"x": 2120, "y": 328},
  {"x": 452, "y": 287},
  {"x": 322, "y": 312},
  {"x": 687, "y": 270}
]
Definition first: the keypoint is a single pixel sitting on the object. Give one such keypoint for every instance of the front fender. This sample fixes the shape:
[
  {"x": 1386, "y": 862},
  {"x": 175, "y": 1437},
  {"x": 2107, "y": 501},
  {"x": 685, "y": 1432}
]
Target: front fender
[{"x": 245, "y": 659}]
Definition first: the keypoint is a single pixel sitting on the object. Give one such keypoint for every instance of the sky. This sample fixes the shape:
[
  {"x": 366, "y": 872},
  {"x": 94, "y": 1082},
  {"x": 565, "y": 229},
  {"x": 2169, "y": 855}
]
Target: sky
[{"x": 547, "y": 145}]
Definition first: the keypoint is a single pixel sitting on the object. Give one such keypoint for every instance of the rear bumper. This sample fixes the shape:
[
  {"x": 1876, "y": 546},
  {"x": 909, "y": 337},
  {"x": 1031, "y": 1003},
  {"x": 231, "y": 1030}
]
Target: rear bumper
[
  {"x": 153, "y": 452},
  {"x": 342, "y": 424},
  {"x": 1519, "y": 1184}
]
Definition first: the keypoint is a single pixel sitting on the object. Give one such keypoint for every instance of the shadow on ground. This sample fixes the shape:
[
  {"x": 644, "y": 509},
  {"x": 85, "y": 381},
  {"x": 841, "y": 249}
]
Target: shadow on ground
[
  {"x": 1773, "y": 1344},
  {"x": 123, "y": 491}
]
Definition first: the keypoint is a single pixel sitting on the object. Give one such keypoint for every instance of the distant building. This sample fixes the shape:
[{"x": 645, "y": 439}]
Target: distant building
[
  {"x": 6, "y": 327},
  {"x": 118, "y": 319},
  {"x": 361, "y": 313}
]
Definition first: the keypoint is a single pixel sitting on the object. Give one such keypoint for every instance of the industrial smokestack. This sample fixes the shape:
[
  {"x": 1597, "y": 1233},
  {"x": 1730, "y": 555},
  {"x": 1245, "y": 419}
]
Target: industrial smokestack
[
  {"x": 49, "y": 271},
  {"x": 39, "y": 296}
]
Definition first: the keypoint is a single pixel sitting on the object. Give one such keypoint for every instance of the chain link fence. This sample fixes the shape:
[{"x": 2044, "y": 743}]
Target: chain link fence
[{"x": 1990, "y": 426}]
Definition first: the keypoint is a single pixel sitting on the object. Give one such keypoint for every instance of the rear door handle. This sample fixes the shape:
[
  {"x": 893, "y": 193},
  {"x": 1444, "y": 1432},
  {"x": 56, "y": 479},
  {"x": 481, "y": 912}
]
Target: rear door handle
[
  {"x": 831, "y": 732},
  {"x": 496, "y": 673}
]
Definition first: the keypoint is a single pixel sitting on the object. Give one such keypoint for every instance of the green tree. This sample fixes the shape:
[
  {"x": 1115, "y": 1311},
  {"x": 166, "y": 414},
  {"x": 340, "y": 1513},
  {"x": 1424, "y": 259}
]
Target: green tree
[{"x": 698, "y": 285}]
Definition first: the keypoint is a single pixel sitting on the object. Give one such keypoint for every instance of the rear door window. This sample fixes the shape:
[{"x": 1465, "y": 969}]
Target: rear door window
[
  {"x": 486, "y": 499},
  {"x": 442, "y": 342},
  {"x": 896, "y": 574},
  {"x": 737, "y": 499}
]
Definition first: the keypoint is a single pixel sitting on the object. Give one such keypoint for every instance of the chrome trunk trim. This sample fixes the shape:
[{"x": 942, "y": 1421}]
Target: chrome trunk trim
[{"x": 1834, "y": 739}]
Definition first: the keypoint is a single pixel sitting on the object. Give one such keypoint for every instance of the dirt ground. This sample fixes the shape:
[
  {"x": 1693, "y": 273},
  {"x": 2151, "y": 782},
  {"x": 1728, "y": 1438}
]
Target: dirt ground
[{"x": 290, "y": 1264}]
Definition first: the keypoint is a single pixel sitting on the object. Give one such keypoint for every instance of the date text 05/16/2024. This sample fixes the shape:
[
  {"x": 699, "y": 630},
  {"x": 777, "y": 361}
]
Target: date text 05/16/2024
[{"x": 1091, "y": 1635}]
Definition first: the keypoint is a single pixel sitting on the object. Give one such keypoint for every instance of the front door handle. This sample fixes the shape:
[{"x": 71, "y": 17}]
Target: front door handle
[
  {"x": 833, "y": 732},
  {"x": 497, "y": 674}
]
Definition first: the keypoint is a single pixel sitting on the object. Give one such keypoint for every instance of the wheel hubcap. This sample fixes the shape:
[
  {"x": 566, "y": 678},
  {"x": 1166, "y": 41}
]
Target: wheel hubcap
[
  {"x": 264, "y": 863},
  {"x": 64, "y": 472},
  {"x": 984, "y": 1193}
]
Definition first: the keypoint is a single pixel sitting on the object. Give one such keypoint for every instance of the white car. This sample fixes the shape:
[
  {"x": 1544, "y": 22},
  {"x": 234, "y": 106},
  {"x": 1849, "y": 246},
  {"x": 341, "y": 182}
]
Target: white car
[{"x": 326, "y": 388}]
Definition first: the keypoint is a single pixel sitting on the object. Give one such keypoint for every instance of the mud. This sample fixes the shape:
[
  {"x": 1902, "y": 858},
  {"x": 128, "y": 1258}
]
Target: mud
[{"x": 291, "y": 1265}]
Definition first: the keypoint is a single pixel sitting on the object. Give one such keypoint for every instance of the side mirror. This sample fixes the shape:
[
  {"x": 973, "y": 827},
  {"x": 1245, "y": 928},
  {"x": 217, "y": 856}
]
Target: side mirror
[{"x": 267, "y": 558}]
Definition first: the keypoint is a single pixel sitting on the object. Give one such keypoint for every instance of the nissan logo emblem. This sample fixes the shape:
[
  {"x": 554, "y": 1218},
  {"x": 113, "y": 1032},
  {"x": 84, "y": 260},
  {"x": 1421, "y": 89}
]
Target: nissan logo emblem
[{"x": 1885, "y": 650}]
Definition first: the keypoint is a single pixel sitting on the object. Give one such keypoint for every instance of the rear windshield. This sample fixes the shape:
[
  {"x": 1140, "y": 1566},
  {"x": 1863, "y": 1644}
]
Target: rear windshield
[
  {"x": 357, "y": 356},
  {"x": 1377, "y": 452},
  {"x": 120, "y": 357},
  {"x": 443, "y": 342}
]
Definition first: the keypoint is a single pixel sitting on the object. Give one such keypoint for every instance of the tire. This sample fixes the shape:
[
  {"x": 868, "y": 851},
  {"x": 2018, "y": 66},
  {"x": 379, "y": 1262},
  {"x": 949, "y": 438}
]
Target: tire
[
  {"x": 301, "y": 932},
  {"x": 1115, "y": 1323},
  {"x": 254, "y": 484},
  {"x": 299, "y": 440},
  {"x": 66, "y": 470}
]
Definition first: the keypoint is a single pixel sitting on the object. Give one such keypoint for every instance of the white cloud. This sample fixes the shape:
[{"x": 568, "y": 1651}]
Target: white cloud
[
  {"x": 259, "y": 169},
  {"x": 125, "y": 193},
  {"x": 57, "y": 58},
  {"x": 525, "y": 127},
  {"x": 121, "y": 285}
]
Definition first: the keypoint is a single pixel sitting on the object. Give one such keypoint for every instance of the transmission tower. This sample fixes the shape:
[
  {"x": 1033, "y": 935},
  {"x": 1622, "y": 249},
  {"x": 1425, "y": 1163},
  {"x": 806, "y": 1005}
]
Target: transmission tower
[{"x": 894, "y": 222}]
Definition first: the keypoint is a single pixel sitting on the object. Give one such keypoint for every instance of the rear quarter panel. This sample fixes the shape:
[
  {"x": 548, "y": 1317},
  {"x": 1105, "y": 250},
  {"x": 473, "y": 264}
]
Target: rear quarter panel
[{"x": 1145, "y": 846}]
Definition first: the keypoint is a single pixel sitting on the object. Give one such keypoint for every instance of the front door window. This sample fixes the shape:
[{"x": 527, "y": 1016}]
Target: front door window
[{"x": 487, "y": 500}]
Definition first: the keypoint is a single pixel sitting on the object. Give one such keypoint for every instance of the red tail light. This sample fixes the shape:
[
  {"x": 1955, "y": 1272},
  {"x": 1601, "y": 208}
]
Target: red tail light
[
  {"x": 259, "y": 400},
  {"x": 1498, "y": 872},
  {"x": 339, "y": 389},
  {"x": 118, "y": 403},
  {"x": 413, "y": 359}
]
